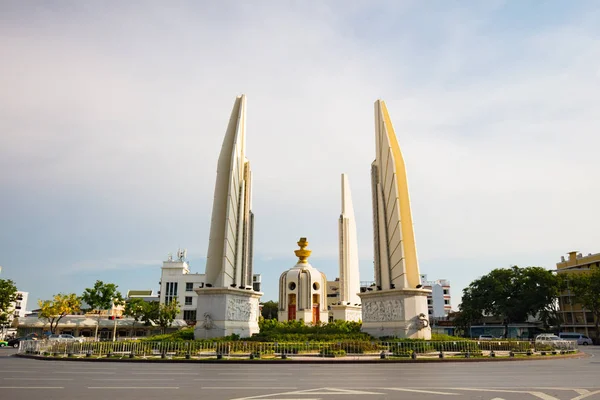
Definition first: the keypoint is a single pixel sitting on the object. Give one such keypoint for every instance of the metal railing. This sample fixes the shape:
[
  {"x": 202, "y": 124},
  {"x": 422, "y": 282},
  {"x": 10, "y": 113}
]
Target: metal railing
[{"x": 202, "y": 349}]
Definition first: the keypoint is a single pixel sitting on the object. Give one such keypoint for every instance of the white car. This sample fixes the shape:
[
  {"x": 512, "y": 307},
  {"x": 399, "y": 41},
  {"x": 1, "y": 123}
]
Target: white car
[
  {"x": 63, "y": 337},
  {"x": 552, "y": 340},
  {"x": 486, "y": 337}
]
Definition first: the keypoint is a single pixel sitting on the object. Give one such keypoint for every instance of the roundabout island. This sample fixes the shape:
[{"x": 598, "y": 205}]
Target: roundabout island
[{"x": 300, "y": 347}]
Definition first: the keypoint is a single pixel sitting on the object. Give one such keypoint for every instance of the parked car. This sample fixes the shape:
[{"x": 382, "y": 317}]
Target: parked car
[
  {"x": 3, "y": 343},
  {"x": 63, "y": 337},
  {"x": 578, "y": 337},
  {"x": 486, "y": 337},
  {"x": 551, "y": 340}
]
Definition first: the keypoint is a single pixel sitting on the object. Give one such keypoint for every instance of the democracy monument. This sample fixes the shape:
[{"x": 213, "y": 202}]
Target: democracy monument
[
  {"x": 395, "y": 306},
  {"x": 227, "y": 304}
]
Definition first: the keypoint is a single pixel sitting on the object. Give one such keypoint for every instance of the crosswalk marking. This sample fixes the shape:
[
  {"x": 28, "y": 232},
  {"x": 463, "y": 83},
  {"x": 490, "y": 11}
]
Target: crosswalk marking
[
  {"x": 540, "y": 395},
  {"x": 583, "y": 396}
]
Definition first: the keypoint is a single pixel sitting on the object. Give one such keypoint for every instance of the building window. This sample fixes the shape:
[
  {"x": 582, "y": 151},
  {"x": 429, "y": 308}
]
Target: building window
[
  {"x": 189, "y": 286},
  {"x": 428, "y": 302},
  {"x": 171, "y": 292},
  {"x": 188, "y": 300},
  {"x": 333, "y": 295},
  {"x": 189, "y": 315},
  {"x": 446, "y": 301},
  {"x": 446, "y": 291}
]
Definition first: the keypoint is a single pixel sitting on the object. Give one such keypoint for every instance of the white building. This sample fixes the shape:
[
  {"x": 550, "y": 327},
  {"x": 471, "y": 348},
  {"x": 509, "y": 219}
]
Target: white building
[
  {"x": 17, "y": 309},
  {"x": 439, "y": 301},
  {"x": 178, "y": 282},
  {"x": 20, "y": 304}
]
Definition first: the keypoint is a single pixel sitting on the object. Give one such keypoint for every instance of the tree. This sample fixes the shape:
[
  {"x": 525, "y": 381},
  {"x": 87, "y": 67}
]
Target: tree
[
  {"x": 151, "y": 310},
  {"x": 140, "y": 310},
  {"x": 270, "y": 309},
  {"x": 468, "y": 314},
  {"x": 54, "y": 310},
  {"x": 167, "y": 314},
  {"x": 551, "y": 316},
  {"x": 586, "y": 291},
  {"x": 512, "y": 294},
  {"x": 102, "y": 297},
  {"x": 8, "y": 295}
]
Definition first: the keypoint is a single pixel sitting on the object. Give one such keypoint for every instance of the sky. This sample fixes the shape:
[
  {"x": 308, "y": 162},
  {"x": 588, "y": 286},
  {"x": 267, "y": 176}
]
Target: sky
[{"x": 112, "y": 116}]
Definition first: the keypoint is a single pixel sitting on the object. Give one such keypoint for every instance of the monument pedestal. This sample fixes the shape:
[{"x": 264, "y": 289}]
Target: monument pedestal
[
  {"x": 226, "y": 311},
  {"x": 346, "y": 313},
  {"x": 398, "y": 313}
]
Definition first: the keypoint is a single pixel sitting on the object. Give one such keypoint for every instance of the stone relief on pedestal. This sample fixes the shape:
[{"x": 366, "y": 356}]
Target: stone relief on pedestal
[
  {"x": 354, "y": 315},
  {"x": 382, "y": 311},
  {"x": 239, "y": 310}
]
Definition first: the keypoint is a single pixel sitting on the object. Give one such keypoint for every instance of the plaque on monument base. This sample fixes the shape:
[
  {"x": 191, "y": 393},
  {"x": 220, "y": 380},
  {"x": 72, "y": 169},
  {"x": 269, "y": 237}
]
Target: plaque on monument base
[
  {"x": 226, "y": 311},
  {"x": 400, "y": 313},
  {"x": 346, "y": 312}
]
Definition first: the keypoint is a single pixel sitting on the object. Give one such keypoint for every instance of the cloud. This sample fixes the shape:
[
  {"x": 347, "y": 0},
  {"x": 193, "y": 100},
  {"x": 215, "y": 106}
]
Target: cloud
[{"x": 112, "y": 119}]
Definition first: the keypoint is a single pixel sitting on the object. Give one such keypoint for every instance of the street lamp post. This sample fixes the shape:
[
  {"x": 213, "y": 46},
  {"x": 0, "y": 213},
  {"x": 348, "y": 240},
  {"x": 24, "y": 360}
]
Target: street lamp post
[{"x": 114, "y": 328}]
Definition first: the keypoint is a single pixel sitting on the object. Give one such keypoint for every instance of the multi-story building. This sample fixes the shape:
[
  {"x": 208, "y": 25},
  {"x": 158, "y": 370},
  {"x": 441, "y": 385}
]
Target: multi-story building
[
  {"x": 256, "y": 282},
  {"x": 439, "y": 302},
  {"x": 333, "y": 292},
  {"x": 178, "y": 282},
  {"x": 16, "y": 310},
  {"x": 20, "y": 304},
  {"x": 576, "y": 318}
]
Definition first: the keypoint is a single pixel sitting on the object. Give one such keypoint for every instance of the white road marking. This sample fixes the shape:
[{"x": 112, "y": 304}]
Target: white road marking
[
  {"x": 17, "y": 372},
  {"x": 31, "y": 387},
  {"x": 423, "y": 391},
  {"x": 309, "y": 392},
  {"x": 237, "y": 379},
  {"x": 344, "y": 378},
  {"x": 540, "y": 395},
  {"x": 247, "y": 387},
  {"x": 358, "y": 374},
  {"x": 583, "y": 396},
  {"x": 132, "y": 379},
  {"x": 578, "y": 391},
  {"x": 335, "y": 391},
  {"x": 83, "y": 372},
  {"x": 39, "y": 379},
  {"x": 134, "y": 387},
  {"x": 166, "y": 373},
  {"x": 253, "y": 373}
]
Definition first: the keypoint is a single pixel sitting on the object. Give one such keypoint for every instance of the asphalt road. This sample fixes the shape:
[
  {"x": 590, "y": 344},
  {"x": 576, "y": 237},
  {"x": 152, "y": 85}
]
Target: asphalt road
[{"x": 562, "y": 379}]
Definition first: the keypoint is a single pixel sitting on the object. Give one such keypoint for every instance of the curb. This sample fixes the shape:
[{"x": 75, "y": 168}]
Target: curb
[{"x": 317, "y": 361}]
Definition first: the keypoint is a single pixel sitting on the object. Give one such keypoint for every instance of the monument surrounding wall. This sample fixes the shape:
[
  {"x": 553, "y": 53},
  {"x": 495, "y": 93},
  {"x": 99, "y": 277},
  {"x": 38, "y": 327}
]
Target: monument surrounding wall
[
  {"x": 348, "y": 308},
  {"x": 303, "y": 291},
  {"x": 227, "y": 303},
  {"x": 397, "y": 304}
]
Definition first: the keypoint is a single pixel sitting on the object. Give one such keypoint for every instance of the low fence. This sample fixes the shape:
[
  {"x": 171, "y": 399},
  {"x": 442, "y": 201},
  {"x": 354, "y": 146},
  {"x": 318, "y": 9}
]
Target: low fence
[{"x": 242, "y": 348}]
